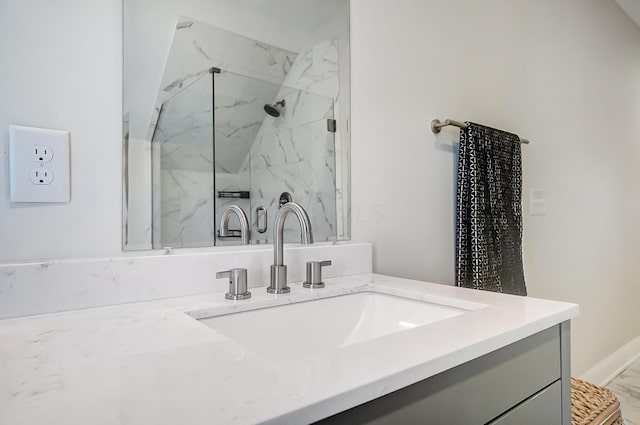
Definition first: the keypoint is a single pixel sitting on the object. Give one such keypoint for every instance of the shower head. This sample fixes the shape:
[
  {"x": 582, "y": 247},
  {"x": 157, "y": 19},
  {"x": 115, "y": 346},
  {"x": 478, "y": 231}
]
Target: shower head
[{"x": 274, "y": 109}]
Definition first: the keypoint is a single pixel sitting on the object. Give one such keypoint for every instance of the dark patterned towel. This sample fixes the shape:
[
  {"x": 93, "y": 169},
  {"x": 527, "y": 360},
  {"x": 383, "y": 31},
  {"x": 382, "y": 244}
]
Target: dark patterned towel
[{"x": 489, "y": 211}]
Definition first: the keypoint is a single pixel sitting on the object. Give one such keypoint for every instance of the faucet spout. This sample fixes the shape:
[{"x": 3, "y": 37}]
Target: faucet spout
[
  {"x": 306, "y": 236},
  {"x": 278, "y": 269},
  {"x": 242, "y": 217}
]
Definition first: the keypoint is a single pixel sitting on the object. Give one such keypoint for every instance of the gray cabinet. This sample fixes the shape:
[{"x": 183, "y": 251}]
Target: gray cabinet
[
  {"x": 541, "y": 408},
  {"x": 527, "y": 382}
]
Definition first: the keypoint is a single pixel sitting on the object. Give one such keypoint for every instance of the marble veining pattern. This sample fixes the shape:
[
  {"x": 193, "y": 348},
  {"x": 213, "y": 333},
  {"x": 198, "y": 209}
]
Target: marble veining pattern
[
  {"x": 627, "y": 387},
  {"x": 295, "y": 152},
  {"x": 153, "y": 363},
  {"x": 197, "y": 46}
]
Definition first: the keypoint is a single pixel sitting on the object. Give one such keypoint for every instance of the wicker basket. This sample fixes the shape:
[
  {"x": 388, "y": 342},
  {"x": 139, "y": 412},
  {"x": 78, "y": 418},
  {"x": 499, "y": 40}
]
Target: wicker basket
[{"x": 593, "y": 405}]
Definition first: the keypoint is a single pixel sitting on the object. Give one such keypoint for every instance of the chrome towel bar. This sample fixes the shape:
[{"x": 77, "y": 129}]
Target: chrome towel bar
[{"x": 436, "y": 126}]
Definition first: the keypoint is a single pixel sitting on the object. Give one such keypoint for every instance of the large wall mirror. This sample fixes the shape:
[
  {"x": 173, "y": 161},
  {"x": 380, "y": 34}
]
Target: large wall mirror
[{"x": 234, "y": 102}]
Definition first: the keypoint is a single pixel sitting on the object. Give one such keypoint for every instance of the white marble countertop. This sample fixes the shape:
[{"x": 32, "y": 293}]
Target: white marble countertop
[{"x": 150, "y": 363}]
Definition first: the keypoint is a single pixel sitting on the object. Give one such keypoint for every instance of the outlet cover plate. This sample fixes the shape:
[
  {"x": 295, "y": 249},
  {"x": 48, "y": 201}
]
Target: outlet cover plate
[{"x": 23, "y": 164}]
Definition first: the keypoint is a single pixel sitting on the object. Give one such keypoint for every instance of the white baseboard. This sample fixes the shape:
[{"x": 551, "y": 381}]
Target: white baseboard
[{"x": 612, "y": 365}]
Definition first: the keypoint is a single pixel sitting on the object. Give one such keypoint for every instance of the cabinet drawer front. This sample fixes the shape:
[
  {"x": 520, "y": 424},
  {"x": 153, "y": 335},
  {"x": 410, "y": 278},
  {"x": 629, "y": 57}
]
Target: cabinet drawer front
[
  {"x": 543, "y": 408},
  {"x": 475, "y": 392}
]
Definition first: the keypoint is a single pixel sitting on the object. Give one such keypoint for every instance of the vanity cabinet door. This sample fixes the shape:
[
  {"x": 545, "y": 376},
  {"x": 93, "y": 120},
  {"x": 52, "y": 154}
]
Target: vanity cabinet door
[{"x": 543, "y": 408}]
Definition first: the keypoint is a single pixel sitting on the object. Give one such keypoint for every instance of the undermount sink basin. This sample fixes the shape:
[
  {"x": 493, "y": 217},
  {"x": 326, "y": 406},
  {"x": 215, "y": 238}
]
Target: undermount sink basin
[{"x": 302, "y": 329}]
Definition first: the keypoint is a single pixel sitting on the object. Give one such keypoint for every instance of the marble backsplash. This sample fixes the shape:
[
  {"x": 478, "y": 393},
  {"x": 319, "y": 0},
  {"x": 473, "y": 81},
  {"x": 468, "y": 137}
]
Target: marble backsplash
[{"x": 62, "y": 285}]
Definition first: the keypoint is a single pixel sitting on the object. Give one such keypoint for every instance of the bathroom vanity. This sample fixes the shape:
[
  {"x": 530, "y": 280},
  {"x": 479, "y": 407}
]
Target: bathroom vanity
[{"x": 364, "y": 349}]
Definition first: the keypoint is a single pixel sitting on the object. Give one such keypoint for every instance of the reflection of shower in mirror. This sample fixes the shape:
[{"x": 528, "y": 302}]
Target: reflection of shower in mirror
[
  {"x": 200, "y": 141},
  {"x": 274, "y": 109}
]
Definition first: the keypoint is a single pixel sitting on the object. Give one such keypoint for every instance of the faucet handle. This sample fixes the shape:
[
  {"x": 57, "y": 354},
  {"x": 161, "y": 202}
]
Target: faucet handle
[
  {"x": 314, "y": 274},
  {"x": 237, "y": 284}
]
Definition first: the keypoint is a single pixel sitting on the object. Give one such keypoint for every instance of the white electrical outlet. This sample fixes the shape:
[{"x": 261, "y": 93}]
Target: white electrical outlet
[
  {"x": 41, "y": 176},
  {"x": 41, "y": 153},
  {"x": 39, "y": 165}
]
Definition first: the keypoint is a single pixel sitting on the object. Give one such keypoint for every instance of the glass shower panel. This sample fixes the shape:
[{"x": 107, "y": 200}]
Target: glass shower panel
[
  {"x": 239, "y": 114},
  {"x": 182, "y": 168}
]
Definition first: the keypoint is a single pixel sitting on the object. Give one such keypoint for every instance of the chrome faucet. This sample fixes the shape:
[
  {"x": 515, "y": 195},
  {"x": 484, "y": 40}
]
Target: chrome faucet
[
  {"x": 278, "y": 269},
  {"x": 242, "y": 217}
]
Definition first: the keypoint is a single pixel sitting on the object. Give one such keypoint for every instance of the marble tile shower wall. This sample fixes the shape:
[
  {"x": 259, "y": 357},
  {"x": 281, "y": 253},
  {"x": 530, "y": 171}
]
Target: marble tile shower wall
[
  {"x": 317, "y": 71},
  {"x": 182, "y": 178},
  {"x": 295, "y": 152},
  {"x": 183, "y": 189},
  {"x": 197, "y": 46}
]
